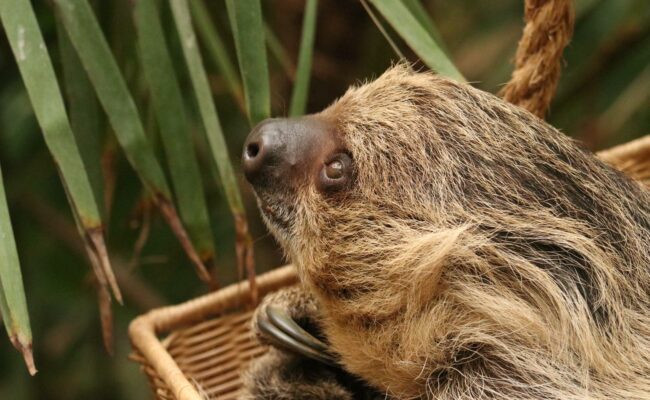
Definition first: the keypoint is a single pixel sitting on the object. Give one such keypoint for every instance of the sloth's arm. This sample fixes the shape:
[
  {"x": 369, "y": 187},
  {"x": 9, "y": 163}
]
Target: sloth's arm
[
  {"x": 295, "y": 303},
  {"x": 283, "y": 375},
  {"x": 289, "y": 320},
  {"x": 285, "y": 372}
]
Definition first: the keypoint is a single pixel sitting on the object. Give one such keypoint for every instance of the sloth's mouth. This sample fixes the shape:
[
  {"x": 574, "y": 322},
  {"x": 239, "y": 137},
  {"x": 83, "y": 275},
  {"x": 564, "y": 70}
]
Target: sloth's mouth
[{"x": 274, "y": 215}]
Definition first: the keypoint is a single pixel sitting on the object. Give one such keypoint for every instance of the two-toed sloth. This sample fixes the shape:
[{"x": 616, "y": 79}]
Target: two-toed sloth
[{"x": 459, "y": 247}]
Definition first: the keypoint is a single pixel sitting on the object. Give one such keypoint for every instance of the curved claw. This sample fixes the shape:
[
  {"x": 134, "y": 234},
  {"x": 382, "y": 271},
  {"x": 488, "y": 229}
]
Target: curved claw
[
  {"x": 285, "y": 323},
  {"x": 285, "y": 333}
]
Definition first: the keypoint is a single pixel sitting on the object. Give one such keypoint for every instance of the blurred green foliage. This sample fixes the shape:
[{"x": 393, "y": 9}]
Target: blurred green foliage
[{"x": 603, "y": 99}]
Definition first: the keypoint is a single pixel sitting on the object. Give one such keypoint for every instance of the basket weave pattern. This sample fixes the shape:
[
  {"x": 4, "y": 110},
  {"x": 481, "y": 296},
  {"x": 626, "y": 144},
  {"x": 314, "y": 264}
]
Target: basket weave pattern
[{"x": 207, "y": 344}]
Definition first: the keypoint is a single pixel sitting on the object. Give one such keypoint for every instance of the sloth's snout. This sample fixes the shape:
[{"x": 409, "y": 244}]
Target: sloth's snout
[
  {"x": 279, "y": 152},
  {"x": 263, "y": 152}
]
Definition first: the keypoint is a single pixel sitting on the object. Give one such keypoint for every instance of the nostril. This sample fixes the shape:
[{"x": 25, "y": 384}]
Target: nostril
[
  {"x": 252, "y": 150},
  {"x": 253, "y": 158},
  {"x": 259, "y": 157}
]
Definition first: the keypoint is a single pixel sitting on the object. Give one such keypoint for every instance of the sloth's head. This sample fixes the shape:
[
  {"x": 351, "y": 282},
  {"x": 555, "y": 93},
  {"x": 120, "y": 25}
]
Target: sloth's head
[{"x": 376, "y": 158}]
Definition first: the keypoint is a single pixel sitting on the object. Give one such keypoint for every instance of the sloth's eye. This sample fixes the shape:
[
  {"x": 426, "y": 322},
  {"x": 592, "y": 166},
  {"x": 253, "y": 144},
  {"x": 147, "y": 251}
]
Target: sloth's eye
[
  {"x": 334, "y": 170},
  {"x": 336, "y": 173}
]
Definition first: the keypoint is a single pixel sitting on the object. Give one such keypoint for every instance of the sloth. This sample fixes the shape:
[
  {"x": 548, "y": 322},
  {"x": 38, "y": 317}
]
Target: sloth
[{"x": 454, "y": 246}]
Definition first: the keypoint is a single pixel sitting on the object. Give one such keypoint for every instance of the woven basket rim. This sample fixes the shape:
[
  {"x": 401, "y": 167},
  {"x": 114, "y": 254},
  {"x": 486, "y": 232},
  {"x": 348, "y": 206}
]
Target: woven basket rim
[
  {"x": 145, "y": 330},
  {"x": 632, "y": 150}
]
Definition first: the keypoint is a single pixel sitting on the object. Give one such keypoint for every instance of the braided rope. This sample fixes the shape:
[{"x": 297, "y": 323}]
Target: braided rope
[{"x": 549, "y": 26}]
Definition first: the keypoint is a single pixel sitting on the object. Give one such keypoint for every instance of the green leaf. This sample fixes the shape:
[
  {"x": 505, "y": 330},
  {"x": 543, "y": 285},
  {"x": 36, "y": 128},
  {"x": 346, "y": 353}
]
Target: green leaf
[
  {"x": 417, "y": 37},
  {"x": 278, "y": 52},
  {"x": 92, "y": 48},
  {"x": 13, "y": 304},
  {"x": 214, "y": 133},
  {"x": 95, "y": 55},
  {"x": 38, "y": 74},
  {"x": 83, "y": 110},
  {"x": 216, "y": 50},
  {"x": 248, "y": 29},
  {"x": 420, "y": 13},
  {"x": 206, "y": 103},
  {"x": 167, "y": 101},
  {"x": 303, "y": 73}
]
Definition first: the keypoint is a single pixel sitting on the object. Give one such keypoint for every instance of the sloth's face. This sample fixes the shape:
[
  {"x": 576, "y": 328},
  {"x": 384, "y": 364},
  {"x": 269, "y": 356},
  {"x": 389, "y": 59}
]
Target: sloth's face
[
  {"x": 286, "y": 159},
  {"x": 362, "y": 170}
]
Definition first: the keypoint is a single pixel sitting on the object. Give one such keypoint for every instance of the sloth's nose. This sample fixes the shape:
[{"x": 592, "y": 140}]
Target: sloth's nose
[
  {"x": 264, "y": 152},
  {"x": 280, "y": 152}
]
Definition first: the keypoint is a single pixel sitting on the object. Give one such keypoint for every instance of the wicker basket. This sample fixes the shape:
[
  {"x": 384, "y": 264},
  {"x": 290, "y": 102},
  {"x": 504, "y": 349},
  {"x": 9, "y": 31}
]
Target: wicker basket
[{"x": 196, "y": 350}]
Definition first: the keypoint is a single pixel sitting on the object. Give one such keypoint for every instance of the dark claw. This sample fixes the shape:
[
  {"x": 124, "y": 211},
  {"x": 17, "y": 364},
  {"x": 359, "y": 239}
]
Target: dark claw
[
  {"x": 284, "y": 332},
  {"x": 285, "y": 323}
]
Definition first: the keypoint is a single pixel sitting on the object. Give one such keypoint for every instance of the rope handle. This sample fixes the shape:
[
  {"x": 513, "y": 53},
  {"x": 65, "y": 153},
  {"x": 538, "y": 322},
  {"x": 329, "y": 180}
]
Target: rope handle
[
  {"x": 548, "y": 30},
  {"x": 538, "y": 62}
]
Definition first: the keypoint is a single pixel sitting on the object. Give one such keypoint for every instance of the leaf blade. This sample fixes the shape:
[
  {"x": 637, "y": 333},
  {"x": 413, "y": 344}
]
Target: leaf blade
[
  {"x": 83, "y": 112},
  {"x": 277, "y": 50},
  {"x": 13, "y": 303},
  {"x": 216, "y": 48},
  {"x": 420, "y": 13},
  {"x": 417, "y": 37},
  {"x": 214, "y": 132},
  {"x": 114, "y": 96},
  {"x": 92, "y": 48},
  {"x": 38, "y": 75},
  {"x": 248, "y": 29},
  {"x": 303, "y": 73},
  {"x": 166, "y": 98},
  {"x": 206, "y": 104}
]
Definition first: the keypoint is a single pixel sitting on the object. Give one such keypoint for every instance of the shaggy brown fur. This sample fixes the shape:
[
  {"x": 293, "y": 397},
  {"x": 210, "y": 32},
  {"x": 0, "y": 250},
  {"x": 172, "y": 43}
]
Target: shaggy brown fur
[
  {"x": 282, "y": 375},
  {"x": 479, "y": 253}
]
